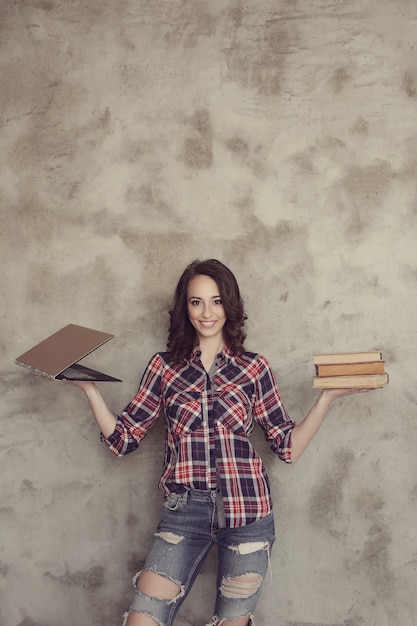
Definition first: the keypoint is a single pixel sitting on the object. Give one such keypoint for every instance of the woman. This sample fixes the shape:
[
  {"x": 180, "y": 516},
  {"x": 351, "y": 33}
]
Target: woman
[{"x": 215, "y": 486}]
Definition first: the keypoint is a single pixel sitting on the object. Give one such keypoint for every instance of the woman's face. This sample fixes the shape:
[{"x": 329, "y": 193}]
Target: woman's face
[{"x": 205, "y": 309}]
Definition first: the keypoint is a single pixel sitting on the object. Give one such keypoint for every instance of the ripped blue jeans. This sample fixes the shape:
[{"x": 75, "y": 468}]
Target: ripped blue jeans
[{"x": 188, "y": 529}]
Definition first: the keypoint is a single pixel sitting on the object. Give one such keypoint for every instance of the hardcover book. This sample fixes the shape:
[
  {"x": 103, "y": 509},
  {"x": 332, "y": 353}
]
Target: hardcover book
[
  {"x": 348, "y": 369},
  {"x": 347, "y": 357},
  {"x": 350, "y": 382}
]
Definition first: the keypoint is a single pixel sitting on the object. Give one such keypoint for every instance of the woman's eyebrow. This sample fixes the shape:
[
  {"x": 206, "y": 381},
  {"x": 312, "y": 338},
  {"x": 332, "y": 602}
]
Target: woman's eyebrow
[{"x": 200, "y": 298}]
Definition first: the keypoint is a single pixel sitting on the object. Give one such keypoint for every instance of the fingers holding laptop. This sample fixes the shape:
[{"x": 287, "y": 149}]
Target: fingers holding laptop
[{"x": 84, "y": 385}]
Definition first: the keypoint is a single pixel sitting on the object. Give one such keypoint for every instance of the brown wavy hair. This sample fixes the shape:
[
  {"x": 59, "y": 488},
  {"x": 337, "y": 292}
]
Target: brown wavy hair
[{"x": 182, "y": 336}]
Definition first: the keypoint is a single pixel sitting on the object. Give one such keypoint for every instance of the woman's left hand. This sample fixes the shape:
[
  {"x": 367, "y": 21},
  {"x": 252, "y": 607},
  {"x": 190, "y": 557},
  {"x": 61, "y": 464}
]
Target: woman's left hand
[{"x": 332, "y": 394}]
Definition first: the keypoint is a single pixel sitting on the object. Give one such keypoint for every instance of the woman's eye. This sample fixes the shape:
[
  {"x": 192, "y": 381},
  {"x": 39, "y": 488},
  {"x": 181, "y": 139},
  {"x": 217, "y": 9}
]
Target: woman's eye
[
  {"x": 218, "y": 301},
  {"x": 195, "y": 302}
]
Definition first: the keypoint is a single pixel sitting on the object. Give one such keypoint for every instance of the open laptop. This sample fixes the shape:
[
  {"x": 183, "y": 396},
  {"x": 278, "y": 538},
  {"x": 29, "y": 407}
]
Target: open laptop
[{"x": 57, "y": 356}]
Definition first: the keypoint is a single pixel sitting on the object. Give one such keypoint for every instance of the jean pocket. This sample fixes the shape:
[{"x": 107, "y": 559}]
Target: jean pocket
[{"x": 175, "y": 501}]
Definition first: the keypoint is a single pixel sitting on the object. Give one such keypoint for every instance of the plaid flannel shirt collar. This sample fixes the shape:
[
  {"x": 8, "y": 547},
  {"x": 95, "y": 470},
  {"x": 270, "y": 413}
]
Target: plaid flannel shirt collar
[{"x": 225, "y": 354}]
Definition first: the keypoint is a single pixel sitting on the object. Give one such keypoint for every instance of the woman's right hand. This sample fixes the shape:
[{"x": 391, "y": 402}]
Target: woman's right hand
[{"x": 84, "y": 385}]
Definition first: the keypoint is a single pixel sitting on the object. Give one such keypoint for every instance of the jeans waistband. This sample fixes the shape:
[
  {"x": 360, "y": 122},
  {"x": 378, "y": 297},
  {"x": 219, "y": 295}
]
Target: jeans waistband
[{"x": 202, "y": 495}]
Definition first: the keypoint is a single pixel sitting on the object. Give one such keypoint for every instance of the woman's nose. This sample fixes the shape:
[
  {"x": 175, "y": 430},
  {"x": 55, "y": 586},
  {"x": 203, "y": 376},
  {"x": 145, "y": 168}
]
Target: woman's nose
[{"x": 206, "y": 310}]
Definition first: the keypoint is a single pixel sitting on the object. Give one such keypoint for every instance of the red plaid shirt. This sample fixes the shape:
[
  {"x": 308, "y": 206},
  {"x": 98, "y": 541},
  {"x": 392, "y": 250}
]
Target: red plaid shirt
[{"x": 208, "y": 421}]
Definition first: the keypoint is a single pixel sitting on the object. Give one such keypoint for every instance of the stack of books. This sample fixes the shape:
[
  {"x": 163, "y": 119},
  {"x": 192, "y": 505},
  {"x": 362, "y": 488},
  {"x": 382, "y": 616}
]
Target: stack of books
[{"x": 355, "y": 370}]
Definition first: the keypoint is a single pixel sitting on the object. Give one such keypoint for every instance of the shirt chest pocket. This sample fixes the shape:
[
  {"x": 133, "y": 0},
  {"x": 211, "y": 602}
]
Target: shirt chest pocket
[
  {"x": 183, "y": 411},
  {"x": 234, "y": 406}
]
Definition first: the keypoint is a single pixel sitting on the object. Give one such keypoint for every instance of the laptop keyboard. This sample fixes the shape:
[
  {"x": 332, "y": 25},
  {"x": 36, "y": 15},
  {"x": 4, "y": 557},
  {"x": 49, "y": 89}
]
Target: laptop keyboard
[{"x": 74, "y": 374}]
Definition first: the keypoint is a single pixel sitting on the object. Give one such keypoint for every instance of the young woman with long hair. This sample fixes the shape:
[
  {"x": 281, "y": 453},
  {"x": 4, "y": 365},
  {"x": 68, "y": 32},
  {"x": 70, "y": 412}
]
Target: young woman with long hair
[{"x": 211, "y": 391}]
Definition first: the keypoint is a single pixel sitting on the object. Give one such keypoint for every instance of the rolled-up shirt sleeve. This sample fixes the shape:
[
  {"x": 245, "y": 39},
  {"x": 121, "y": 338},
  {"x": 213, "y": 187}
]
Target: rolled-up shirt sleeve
[
  {"x": 138, "y": 417},
  {"x": 270, "y": 412}
]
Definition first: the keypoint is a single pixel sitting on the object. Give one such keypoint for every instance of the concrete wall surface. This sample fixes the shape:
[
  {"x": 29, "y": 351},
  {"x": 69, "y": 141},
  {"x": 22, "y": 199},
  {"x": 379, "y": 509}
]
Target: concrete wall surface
[{"x": 281, "y": 138}]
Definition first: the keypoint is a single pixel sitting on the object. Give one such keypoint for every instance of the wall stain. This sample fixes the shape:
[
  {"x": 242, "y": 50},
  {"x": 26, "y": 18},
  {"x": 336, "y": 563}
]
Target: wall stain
[
  {"x": 356, "y": 223},
  {"x": 135, "y": 563},
  {"x": 409, "y": 83},
  {"x": 30, "y": 217},
  {"x": 104, "y": 120},
  {"x": 150, "y": 205},
  {"x": 188, "y": 26},
  {"x": 284, "y": 233},
  {"x": 235, "y": 15},
  {"x": 238, "y": 148},
  {"x": 245, "y": 201},
  {"x": 331, "y": 142},
  {"x": 251, "y": 158},
  {"x": 44, "y": 5},
  {"x": 359, "y": 194},
  {"x": 91, "y": 579},
  {"x": 256, "y": 56},
  {"x": 131, "y": 520},
  {"x": 133, "y": 150},
  {"x": 198, "y": 152},
  {"x": 339, "y": 79},
  {"x": 369, "y": 183},
  {"x": 374, "y": 559},
  {"x": 304, "y": 163},
  {"x": 326, "y": 502},
  {"x": 360, "y": 127},
  {"x": 279, "y": 239},
  {"x": 28, "y": 621},
  {"x": 27, "y": 485},
  {"x": 367, "y": 503}
]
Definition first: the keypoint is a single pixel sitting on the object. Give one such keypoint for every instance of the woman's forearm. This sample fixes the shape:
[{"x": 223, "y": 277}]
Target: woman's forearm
[
  {"x": 104, "y": 417},
  {"x": 304, "y": 432}
]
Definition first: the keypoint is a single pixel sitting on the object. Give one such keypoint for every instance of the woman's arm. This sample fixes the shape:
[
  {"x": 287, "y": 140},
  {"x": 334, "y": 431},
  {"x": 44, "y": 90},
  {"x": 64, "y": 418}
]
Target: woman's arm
[
  {"x": 304, "y": 432},
  {"x": 104, "y": 417}
]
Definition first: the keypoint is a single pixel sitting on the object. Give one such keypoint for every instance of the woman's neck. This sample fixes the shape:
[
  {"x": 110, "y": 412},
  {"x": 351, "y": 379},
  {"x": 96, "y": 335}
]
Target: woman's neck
[{"x": 209, "y": 350}]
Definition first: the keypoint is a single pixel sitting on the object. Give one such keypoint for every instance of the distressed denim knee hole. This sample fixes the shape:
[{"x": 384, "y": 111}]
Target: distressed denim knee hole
[
  {"x": 170, "y": 537},
  {"x": 176, "y": 590},
  {"x": 240, "y": 586},
  {"x": 250, "y": 547}
]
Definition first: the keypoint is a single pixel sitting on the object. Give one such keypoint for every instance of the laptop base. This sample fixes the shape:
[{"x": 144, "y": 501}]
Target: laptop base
[{"x": 83, "y": 373}]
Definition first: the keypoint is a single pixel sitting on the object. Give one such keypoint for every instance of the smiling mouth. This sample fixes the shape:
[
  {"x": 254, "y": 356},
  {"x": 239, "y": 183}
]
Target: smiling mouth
[{"x": 208, "y": 324}]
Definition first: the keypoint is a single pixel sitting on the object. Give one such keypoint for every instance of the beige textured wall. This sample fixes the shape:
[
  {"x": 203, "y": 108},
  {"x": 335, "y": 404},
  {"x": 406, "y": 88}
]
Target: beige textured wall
[{"x": 279, "y": 137}]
